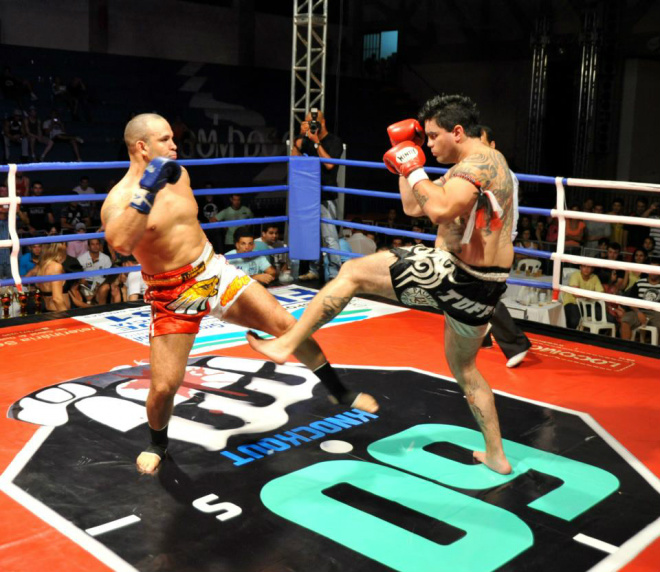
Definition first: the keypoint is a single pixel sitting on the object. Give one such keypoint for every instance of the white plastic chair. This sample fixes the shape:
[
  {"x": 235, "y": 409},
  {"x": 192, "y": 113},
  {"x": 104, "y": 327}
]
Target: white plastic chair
[
  {"x": 650, "y": 329},
  {"x": 528, "y": 263},
  {"x": 588, "y": 315},
  {"x": 566, "y": 274}
]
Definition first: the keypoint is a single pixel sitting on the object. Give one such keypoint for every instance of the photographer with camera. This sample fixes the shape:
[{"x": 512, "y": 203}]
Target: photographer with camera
[{"x": 314, "y": 140}]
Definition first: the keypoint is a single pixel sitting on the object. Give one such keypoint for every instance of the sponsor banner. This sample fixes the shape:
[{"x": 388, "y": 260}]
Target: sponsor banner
[
  {"x": 592, "y": 359},
  {"x": 133, "y": 323},
  {"x": 39, "y": 332}
]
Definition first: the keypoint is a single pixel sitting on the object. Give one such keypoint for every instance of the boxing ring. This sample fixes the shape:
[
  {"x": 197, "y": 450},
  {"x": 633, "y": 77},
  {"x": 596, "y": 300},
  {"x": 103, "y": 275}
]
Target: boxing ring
[{"x": 311, "y": 485}]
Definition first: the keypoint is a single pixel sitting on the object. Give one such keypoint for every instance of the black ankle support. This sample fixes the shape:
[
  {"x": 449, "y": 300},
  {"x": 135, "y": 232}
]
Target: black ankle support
[
  {"x": 335, "y": 387},
  {"x": 159, "y": 441}
]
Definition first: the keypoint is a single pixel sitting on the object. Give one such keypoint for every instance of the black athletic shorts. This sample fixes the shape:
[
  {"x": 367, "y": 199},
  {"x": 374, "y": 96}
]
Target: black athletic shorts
[{"x": 425, "y": 277}]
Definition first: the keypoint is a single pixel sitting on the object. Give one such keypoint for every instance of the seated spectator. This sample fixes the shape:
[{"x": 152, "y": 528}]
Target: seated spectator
[
  {"x": 73, "y": 214},
  {"x": 640, "y": 256},
  {"x": 95, "y": 289},
  {"x": 525, "y": 241},
  {"x": 35, "y": 134},
  {"x": 55, "y": 129},
  {"x": 135, "y": 284},
  {"x": 359, "y": 242},
  {"x": 649, "y": 245},
  {"x": 343, "y": 246},
  {"x": 647, "y": 288},
  {"x": 77, "y": 248},
  {"x": 392, "y": 221},
  {"x": 257, "y": 267},
  {"x": 539, "y": 232},
  {"x": 51, "y": 263},
  {"x": 29, "y": 260},
  {"x": 603, "y": 245},
  {"x": 524, "y": 223},
  {"x": 14, "y": 135},
  {"x": 586, "y": 280},
  {"x": 396, "y": 242},
  {"x": 22, "y": 184},
  {"x": 596, "y": 231},
  {"x": 270, "y": 238},
  {"x": 610, "y": 277}
]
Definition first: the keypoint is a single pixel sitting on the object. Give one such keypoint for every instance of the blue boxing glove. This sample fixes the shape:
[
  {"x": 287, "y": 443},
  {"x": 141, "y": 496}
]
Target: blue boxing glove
[{"x": 159, "y": 172}]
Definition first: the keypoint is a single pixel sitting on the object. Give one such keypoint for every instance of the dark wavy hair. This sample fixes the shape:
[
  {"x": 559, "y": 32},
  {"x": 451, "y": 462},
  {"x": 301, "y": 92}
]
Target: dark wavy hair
[{"x": 450, "y": 111}]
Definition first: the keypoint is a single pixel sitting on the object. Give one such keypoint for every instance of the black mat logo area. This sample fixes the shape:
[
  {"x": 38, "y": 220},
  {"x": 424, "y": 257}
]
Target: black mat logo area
[{"x": 266, "y": 475}]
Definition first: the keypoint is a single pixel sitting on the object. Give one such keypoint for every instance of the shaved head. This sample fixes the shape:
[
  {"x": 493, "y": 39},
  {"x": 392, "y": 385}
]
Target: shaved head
[{"x": 140, "y": 128}]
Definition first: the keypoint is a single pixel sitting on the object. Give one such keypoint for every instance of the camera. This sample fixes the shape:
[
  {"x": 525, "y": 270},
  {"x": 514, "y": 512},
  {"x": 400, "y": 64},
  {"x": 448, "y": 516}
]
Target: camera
[{"x": 314, "y": 124}]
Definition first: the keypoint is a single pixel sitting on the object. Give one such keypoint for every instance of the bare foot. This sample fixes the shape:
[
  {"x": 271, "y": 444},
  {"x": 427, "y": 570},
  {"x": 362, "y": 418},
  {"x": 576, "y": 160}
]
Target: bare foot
[
  {"x": 365, "y": 402},
  {"x": 147, "y": 463},
  {"x": 272, "y": 349},
  {"x": 499, "y": 464}
]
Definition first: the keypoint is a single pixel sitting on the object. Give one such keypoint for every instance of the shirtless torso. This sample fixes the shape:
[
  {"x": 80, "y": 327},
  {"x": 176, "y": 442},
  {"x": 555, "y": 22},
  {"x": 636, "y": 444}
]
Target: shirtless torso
[
  {"x": 486, "y": 247},
  {"x": 172, "y": 237}
]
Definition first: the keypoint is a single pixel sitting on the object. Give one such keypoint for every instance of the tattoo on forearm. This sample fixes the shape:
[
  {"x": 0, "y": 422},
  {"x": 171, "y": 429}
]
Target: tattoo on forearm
[
  {"x": 421, "y": 199},
  {"x": 332, "y": 306}
]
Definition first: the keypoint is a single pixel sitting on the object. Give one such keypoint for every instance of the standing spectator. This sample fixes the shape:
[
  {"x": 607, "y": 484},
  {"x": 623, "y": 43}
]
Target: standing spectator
[
  {"x": 360, "y": 243},
  {"x": 29, "y": 260},
  {"x": 644, "y": 289},
  {"x": 78, "y": 99},
  {"x": 634, "y": 234},
  {"x": 72, "y": 214},
  {"x": 315, "y": 140},
  {"x": 95, "y": 288},
  {"x": 55, "y": 129},
  {"x": 257, "y": 267},
  {"x": 575, "y": 229},
  {"x": 39, "y": 217},
  {"x": 77, "y": 248},
  {"x": 596, "y": 231},
  {"x": 617, "y": 227},
  {"x": 586, "y": 280},
  {"x": 235, "y": 211},
  {"x": 654, "y": 232},
  {"x": 14, "y": 134},
  {"x": 15, "y": 88},
  {"x": 35, "y": 134},
  {"x": 84, "y": 189},
  {"x": 207, "y": 210},
  {"x": 59, "y": 93}
]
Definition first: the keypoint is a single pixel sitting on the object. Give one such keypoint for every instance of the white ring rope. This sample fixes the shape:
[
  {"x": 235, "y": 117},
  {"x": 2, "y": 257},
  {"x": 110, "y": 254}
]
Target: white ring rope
[
  {"x": 13, "y": 235},
  {"x": 648, "y": 187},
  {"x": 561, "y": 236}
]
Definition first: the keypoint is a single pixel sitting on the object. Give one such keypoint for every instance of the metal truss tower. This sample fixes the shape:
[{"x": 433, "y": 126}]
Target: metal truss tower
[
  {"x": 310, "y": 30},
  {"x": 538, "y": 92}
]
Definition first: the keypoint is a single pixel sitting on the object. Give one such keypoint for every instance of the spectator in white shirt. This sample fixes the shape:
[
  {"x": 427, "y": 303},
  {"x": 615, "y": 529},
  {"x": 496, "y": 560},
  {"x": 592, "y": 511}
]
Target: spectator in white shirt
[{"x": 95, "y": 289}]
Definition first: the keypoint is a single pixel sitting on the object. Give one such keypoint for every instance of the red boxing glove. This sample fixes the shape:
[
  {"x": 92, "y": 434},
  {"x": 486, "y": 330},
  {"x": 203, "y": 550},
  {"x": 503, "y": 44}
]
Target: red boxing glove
[
  {"x": 406, "y": 159},
  {"x": 406, "y": 130}
]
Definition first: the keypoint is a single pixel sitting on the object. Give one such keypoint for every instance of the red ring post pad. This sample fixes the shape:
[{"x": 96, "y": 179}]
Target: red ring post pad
[{"x": 304, "y": 208}]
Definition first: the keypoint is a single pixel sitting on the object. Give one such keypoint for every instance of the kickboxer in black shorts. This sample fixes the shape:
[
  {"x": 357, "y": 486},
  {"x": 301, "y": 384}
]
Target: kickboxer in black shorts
[{"x": 464, "y": 274}]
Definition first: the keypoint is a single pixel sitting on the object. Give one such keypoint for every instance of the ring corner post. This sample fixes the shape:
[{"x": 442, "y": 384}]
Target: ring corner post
[{"x": 304, "y": 208}]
